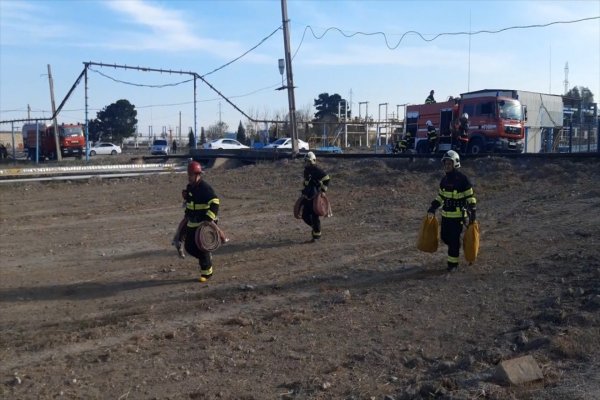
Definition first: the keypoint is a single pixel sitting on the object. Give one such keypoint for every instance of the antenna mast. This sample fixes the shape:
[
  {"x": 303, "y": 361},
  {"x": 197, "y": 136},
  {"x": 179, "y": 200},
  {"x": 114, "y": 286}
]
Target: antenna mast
[{"x": 566, "y": 77}]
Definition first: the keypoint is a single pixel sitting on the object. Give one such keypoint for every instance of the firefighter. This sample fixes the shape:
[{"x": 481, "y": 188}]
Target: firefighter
[
  {"x": 460, "y": 132},
  {"x": 202, "y": 204},
  {"x": 432, "y": 136},
  {"x": 430, "y": 99},
  {"x": 458, "y": 202},
  {"x": 463, "y": 132},
  {"x": 315, "y": 180}
]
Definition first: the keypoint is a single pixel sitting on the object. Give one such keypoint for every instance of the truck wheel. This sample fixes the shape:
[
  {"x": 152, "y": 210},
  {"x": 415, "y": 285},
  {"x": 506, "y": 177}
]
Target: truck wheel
[
  {"x": 475, "y": 147},
  {"x": 422, "y": 147}
]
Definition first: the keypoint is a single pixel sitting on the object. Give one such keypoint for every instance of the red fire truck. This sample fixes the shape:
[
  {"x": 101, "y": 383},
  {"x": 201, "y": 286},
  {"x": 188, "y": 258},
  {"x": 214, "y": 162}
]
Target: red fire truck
[
  {"x": 496, "y": 123},
  {"x": 71, "y": 140}
]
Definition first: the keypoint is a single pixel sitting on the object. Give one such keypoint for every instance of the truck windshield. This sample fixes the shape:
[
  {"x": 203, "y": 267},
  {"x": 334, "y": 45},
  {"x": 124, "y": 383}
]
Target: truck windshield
[
  {"x": 510, "y": 110},
  {"x": 74, "y": 131}
]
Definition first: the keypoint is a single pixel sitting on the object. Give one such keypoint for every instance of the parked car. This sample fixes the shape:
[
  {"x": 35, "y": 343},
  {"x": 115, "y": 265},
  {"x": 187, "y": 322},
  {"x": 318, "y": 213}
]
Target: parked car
[
  {"x": 105, "y": 149},
  {"x": 225, "y": 144},
  {"x": 286, "y": 143},
  {"x": 160, "y": 147}
]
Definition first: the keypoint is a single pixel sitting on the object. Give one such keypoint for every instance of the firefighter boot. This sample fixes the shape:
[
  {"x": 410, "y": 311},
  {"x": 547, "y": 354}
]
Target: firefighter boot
[
  {"x": 205, "y": 274},
  {"x": 452, "y": 266}
]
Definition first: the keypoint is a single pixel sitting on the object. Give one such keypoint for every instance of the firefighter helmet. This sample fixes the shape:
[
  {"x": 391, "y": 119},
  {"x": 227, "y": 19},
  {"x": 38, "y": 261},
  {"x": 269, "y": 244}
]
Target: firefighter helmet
[
  {"x": 429, "y": 123},
  {"x": 310, "y": 157},
  {"x": 452, "y": 155},
  {"x": 194, "y": 168}
]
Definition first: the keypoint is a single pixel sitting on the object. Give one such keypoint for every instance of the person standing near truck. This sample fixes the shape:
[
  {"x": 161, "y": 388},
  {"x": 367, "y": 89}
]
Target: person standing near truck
[
  {"x": 457, "y": 199},
  {"x": 432, "y": 136}
]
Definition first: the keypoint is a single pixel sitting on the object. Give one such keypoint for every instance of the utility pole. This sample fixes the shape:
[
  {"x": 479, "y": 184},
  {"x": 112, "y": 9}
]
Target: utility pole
[
  {"x": 28, "y": 112},
  {"x": 290, "y": 79},
  {"x": 220, "y": 123},
  {"x": 56, "y": 140},
  {"x": 179, "y": 137}
]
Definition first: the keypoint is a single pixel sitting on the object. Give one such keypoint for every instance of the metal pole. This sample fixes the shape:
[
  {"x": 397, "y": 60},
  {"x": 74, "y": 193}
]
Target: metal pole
[
  {"x": 12, "y": 129},
  {"x": 195, "y": 120},
  {"x": 56, "y": 140},
  {"x": 87, "y": 125},
  {"x": 346, "y": 127},
  {"x": 37, "y": 141},
  {"x": 290, "y": 79},
  {"x": 367, "y": 124}
]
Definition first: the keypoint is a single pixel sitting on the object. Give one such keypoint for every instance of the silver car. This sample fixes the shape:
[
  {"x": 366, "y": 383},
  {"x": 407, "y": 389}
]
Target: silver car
[{"x": 160, "y": 147}]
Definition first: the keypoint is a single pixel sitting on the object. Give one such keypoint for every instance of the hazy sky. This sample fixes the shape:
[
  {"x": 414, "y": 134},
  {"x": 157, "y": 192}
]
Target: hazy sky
[{"x": 394, "y": 66}]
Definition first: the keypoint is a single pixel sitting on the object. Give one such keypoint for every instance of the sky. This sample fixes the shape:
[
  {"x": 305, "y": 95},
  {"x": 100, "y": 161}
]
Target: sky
[{"x": 378, "y": 55}]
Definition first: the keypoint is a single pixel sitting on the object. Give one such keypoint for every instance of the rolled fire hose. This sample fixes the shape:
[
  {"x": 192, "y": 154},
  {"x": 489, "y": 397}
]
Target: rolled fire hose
[{"x": 209, "y": 236}]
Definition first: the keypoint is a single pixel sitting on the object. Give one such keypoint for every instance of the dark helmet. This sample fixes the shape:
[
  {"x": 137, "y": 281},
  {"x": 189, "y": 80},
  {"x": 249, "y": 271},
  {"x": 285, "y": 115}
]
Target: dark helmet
[{"x": 194, "y": 168}]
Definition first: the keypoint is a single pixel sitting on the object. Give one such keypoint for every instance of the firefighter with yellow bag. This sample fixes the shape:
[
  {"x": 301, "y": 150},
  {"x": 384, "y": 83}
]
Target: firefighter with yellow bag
[{"x": 457, "y": 199}]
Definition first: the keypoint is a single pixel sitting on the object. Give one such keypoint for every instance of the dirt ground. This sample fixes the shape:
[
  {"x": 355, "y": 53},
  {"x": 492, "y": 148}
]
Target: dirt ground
[{"x": 95, "y": 303}]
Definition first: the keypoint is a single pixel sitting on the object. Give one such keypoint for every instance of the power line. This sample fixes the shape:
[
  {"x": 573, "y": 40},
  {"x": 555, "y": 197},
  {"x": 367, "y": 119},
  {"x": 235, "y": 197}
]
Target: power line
[
  {"x": 237, "y": 58},
  {"x": 139, "y": 84},
  {"x": 436, "y": 36}
]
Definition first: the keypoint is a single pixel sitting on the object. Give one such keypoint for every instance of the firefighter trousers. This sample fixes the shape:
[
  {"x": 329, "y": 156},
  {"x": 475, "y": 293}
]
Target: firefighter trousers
[
  {"x": 204, "y": 257},
  {"x": 451, "y": 230},
  {"x": 311, "y": 219}
]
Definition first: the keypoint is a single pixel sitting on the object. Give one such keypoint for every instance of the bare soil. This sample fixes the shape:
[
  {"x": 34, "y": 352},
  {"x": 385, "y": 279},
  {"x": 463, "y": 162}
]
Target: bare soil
[{"x": 95, "y": 303}]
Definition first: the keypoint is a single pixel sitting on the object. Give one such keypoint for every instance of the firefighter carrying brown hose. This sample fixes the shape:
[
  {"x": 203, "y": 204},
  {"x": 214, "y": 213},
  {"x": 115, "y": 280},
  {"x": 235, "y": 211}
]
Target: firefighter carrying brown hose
[
  {"x": 315, "y": 181},
  {"x": 458, "y": 201},
  {"x": 201, "y": 204}
]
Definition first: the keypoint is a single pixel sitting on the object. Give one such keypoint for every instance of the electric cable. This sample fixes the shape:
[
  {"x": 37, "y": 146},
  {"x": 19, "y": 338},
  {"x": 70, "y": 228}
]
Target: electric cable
[{"x": 435, "y": 36}]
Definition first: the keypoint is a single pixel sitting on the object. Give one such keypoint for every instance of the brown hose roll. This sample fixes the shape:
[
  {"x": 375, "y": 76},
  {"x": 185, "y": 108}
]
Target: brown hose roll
[{"x": 208, "y": 236}]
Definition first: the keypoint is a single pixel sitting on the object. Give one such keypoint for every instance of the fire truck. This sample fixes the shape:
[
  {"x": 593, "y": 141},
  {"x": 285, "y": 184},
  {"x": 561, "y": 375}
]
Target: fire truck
[
  {"x": 496, "y": 123},
  {"x": 71, "y": 140}
]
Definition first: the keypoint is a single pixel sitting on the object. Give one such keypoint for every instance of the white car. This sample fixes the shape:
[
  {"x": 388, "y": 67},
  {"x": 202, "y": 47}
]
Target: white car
[
  {"x": 105, "y": 149},
  {"x": 225, "y": 144},
  {"x": 286, "y": 143}
]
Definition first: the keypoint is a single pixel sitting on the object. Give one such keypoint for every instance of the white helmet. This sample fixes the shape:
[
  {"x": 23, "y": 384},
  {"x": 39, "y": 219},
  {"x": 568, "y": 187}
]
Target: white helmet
[
  {"x": 452, "y": 155},
  {"x": 310, "y": 157},
  {"x": 465, "y": 116},
  {"x": 429, "y": 123}
]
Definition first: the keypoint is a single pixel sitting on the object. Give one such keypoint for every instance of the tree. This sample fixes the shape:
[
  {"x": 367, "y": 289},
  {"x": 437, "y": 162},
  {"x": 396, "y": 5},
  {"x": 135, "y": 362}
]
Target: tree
[
  {"x": 241, "y": 133},
  {"x": 216, "y": 131},
  {"x": 94, "y": 130},
  {"x": 202, "y": 136},
  {"x": 579, "y": 98},
  {"x": 329, "y": 105},
  {"x": 114, "y": 122},
  {"x": 191, "y": 139}
]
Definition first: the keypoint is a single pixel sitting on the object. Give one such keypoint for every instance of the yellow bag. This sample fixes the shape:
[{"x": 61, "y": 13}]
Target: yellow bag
[
  {"x": 428, "y": 235},
  {"x": 471, "y": 242}
]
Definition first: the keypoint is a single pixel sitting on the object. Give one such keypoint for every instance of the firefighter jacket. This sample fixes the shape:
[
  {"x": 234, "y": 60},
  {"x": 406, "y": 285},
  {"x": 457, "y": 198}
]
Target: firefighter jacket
[
  {"x": 201, "y": 204},
  {"x": 315, "y": 180},
  {"x": 455, "y": 196}
]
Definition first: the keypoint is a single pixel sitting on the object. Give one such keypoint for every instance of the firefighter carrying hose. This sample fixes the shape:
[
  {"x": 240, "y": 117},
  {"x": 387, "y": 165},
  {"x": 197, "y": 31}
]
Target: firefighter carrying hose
[
  {"x": 201, "y": 204},
  {"x": 458, "y": 202},
  {"x": 315, "y": 180}
]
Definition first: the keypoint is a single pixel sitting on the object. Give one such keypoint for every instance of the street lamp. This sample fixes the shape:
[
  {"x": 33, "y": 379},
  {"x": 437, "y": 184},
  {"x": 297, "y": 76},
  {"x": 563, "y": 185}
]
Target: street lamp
[{"x": 281, "y": 70}]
